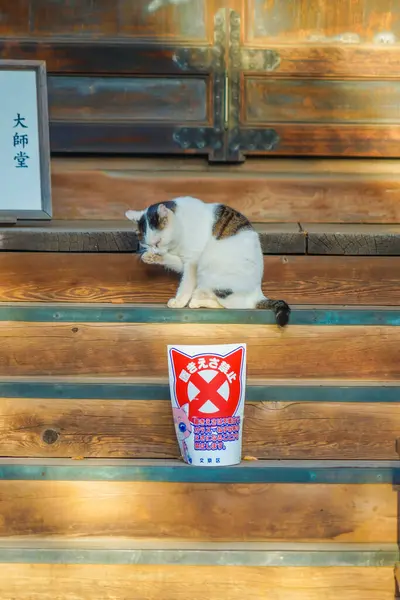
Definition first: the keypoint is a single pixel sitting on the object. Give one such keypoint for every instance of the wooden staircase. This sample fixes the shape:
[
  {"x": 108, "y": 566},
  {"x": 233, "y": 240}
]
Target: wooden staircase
[{"x": 95, "y": 502}]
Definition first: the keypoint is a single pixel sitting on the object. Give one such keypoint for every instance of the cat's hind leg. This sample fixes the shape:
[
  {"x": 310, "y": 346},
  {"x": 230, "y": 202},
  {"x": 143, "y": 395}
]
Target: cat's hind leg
[
  {"x": 204, "y": 299},
  {"x": 238, "y": 300},
  {"x": 221, "y": 298}
]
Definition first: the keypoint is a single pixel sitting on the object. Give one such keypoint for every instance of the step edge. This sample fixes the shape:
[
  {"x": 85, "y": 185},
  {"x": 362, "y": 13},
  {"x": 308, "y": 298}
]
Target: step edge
[
  {"x": 163, "y": 381},
  {"x": 158, "y": 391},
  {"x": 177, "y": 464},
  {"x": 132, "y": 543},
  {"x": 159, "y": 306},
  {"x": 142, "y": 314},
  {"x": 206, "y": 556},
  {"x": 123, "y": 225},
  {"x": 175, "y": 471}
]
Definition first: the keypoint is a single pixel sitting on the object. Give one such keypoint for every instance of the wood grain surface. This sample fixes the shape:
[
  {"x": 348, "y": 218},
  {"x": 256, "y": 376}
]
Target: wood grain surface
[
  {"x": 301, "y": 21},
  {"x": 125, "y": 349},
  {"x": 101, "y": 20},
  {"x": 360, "y": 240},
  {"x": 119, "y": 236},
  {"x": 265, "y": 191},
  {"x": 117, "y": 582},
  {"x": 330, "y": 139},
  {"x": 128, "y": 99},
  {"x": 48, "y": 428},
  {"x": 123, "y": 278},
  {"x": 320, "y": 101},
  {"x": 199, "y": 511},
  {"x": 78, "y": 55}
]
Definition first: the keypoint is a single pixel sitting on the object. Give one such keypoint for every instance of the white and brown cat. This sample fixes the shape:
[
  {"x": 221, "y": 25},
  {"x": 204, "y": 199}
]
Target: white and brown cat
[{"x": 216, "y": 250}]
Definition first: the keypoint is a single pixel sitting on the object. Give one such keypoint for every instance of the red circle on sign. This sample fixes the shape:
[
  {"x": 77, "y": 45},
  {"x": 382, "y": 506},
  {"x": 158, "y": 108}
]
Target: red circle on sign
[{"x": 208, "y": 391}]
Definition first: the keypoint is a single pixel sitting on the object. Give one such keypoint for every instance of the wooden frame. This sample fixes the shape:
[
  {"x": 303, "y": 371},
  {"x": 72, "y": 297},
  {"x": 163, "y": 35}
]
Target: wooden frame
[{"x": 45, "y": 212}]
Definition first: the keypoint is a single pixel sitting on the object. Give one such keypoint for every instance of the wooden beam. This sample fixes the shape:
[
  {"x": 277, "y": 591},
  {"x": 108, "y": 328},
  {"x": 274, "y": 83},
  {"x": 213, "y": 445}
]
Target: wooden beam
[
  {"x": 118, "y": 278},
  {"x": 276, "y": 238},
  {"x": 141, "y": 428},
  {"x": 281, "y": 190},
  {"x": 355, "y": 240},
  {"x": 139, "y": 349},
  {"x": 365, "y": 513},
  {"x": 120, "y": 237},
  {"x": 214, "y": 582}
]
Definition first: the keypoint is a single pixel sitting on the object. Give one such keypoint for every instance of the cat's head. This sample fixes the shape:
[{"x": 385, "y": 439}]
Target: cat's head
[{"x": 156, "y": 226}]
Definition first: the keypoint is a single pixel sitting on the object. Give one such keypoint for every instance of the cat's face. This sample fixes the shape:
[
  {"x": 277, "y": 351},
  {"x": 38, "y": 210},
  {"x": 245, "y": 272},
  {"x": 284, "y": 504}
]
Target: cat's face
[{"x": 155, "y": 226}]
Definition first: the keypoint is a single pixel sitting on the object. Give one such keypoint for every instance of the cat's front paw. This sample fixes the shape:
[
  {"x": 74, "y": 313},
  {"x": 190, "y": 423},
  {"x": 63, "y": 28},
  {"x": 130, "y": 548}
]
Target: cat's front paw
[
  {"x": 151, "y": 258},
  {"x": 177, "y": 302}
]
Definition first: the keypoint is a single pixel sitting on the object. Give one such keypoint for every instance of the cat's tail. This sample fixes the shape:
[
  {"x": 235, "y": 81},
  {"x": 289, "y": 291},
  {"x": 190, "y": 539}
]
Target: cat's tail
[{"x": 280, "y": 309}]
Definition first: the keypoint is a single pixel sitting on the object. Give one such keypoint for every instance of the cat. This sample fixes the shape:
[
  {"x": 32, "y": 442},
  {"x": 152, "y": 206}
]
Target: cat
[{"x": 214, "y": 247}]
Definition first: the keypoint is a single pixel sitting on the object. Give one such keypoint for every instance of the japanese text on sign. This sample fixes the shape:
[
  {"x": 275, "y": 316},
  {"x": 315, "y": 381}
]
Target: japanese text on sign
[
  {"x": 211, "y": 434},
  {"x": 203, "y": 363},
  {"x": 24, "y": 147},
  {"x": 20, "y": 139}
]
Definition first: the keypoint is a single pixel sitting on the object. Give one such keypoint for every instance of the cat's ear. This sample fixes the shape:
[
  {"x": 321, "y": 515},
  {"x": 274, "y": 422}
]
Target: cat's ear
[
  {"x": 134, "y": 215},
  {"x": 164, "y": 211}
]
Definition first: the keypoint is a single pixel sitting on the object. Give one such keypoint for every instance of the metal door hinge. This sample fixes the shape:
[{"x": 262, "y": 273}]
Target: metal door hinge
[{"x": 227, "y": 102}]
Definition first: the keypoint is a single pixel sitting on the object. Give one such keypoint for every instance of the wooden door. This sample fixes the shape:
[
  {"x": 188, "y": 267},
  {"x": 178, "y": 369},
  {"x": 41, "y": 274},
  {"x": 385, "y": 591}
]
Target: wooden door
[
  {"x": 125, "y": 76},
  {"x": 221, "y": 78},
  {"x": 315, "y": 78}
]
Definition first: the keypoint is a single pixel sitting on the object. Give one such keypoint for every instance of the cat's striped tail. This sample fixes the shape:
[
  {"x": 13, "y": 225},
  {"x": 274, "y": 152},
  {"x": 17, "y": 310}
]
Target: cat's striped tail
[{"x": 280, "y": 309}]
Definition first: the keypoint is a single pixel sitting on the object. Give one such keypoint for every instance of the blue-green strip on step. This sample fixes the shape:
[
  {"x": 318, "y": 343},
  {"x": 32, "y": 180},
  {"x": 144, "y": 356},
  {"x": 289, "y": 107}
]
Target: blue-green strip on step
[
  {"x": 307, "y": 556},
  {"x": 376, "y": 392},
  {"x": 96, "y": 313},
  {"x": 333, "y": 472}
]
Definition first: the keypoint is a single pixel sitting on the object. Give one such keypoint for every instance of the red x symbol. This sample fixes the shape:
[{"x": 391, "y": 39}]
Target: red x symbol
[{"x": 208, "y": 390}]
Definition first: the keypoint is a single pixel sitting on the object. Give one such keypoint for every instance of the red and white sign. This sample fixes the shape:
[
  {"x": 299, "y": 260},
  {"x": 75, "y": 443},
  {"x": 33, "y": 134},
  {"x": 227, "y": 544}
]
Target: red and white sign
[{"x": 209, "y": 383}]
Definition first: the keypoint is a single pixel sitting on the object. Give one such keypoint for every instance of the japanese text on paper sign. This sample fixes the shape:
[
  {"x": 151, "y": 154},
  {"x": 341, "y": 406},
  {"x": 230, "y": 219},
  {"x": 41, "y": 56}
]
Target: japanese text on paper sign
[
  {"x": 20, "y": 140},
  {"x": 209, "y": 386}
]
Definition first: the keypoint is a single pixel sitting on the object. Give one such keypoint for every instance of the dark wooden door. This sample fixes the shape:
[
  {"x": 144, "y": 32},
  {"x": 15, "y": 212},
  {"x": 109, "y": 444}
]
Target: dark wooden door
[
  {"x": 315, "y": 78},
  {"x": 126, "y": 76},
  {"x": 221, "y": 78}
]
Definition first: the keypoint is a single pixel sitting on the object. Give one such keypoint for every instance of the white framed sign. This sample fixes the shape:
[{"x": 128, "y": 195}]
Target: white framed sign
[{"x": 25, "y": 188}]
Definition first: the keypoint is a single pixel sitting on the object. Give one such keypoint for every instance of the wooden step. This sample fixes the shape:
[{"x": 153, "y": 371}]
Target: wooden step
[
  {"x": 352, "y": 240},
  {"x": 283, "y": 501},
  {"x": 121, "y": 237},
  {"x": 121, "y": 278},
  {"x": 99, "y": 340},
  {"x": 274, "y": 190},
  {"x": 160, "y": 570},
  {"x": 283, "y": 420},
  {"x": 174, "y": 582},
  {"x": 276, "y": 238}
]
